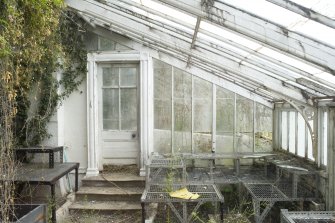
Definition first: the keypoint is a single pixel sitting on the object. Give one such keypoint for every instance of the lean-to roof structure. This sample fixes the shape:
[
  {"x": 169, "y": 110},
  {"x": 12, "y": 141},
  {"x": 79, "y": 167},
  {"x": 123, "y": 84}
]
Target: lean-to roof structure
[{"x": 267, "y": 50}]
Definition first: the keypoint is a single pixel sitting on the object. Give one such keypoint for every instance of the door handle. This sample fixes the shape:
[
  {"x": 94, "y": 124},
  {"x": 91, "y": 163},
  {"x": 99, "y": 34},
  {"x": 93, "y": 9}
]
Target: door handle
[{"x": 133, "y": 136}]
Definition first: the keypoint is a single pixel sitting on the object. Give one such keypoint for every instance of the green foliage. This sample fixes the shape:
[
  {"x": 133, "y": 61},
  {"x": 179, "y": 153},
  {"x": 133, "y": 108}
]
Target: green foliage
[{"x": 37, "y": 39}]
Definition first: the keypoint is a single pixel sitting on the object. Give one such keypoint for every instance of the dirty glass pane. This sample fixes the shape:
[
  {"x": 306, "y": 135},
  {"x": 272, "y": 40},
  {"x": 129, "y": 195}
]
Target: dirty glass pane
[
  {"x": 162, "y": 141},
  {"x": 224, "y": 144},
  {"x": 110, "y": 77},
  {"x": 224, "y": 111},
  {"x": 110, "y": 98},
  {"x": 106, "y": 44},
  {"x": 163, "y": 95},
  {"x": 202, "y": 143},
  {"x": 263, "y": 134},
  {"x": 203, "y": 115},
  {"x": 182, "y": 111},
  {"x": 162, "y": 80},
  {"x": 128, "y": 76},
  {"x": 284, "y": 131},
  {"x": 244, "y": 142},
  {"x": 244, "y": 124},
  {"x": 301, "y": 136},
  {"x": 128, "y": 109},
  {"x": 292, "y": 132},
  {"x": 244, "y": 114}
]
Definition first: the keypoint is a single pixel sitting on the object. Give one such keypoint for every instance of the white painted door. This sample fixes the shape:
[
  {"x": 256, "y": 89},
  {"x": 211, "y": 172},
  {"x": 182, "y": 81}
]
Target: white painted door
[{"x": 118, "y": 116}]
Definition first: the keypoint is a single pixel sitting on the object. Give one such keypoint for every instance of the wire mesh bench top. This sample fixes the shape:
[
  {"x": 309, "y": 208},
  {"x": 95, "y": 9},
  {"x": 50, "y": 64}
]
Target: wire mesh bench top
[
  {"x": 307, "y": 216},
  {"x": 160, "y": 194},
  {"x": 266, "y": 192}
]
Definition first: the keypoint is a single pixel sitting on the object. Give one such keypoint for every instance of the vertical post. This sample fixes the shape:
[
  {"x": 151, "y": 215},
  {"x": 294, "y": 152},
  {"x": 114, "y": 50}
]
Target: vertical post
[
  {"x": 143, "y": 212},
  {"x": 53, "y": 203},
  {"x": 92, "y": 118},
  {"x": 76, "y": 179},
  {"x": 214, "y": 119},
  {"x": 330, "y": 202}
]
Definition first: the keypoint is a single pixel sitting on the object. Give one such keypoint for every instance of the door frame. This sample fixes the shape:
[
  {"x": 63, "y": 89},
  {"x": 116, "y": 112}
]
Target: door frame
[{"x": 94, "y": 159}]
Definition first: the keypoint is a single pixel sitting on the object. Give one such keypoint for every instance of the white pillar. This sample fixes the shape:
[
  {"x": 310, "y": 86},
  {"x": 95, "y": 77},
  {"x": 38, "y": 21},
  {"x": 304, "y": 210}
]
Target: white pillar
[{"x": 92, "y": 119}]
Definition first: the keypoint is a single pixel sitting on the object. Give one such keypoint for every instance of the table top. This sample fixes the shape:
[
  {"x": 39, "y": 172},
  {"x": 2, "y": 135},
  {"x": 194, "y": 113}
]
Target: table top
[
  {"x": 40, "y": 149},
  {"x": 42, "y": 174},
  {"x": 159, "y": 194}
]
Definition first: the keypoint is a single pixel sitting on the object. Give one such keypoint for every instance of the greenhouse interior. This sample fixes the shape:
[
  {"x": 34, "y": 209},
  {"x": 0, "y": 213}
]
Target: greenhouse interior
[{"x": 220, "y": 110}]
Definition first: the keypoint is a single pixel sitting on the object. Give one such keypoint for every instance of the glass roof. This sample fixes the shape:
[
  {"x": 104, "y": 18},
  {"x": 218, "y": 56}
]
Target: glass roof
[{"x": 254, "y": 56}]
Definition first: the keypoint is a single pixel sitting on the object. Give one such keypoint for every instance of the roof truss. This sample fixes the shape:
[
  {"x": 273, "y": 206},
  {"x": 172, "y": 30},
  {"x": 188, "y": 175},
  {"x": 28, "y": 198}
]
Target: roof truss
[{"x": 230, "y": 61}]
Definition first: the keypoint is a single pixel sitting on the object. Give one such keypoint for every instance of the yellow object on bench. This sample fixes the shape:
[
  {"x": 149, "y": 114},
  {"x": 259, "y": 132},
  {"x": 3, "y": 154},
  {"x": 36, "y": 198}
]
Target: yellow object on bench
[{"x": 184, "y": 194}]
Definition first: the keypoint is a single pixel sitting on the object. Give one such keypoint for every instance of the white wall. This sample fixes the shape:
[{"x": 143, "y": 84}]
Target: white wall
[{"x": 75, "y": 127}]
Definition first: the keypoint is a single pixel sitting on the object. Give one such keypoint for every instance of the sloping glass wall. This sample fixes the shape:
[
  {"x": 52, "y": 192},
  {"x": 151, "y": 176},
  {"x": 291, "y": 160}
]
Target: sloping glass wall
[{"x": 193, "y": 115}]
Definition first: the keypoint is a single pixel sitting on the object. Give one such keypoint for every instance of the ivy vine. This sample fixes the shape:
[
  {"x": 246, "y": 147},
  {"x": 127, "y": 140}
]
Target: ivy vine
[{"x": 43, "y": 58}]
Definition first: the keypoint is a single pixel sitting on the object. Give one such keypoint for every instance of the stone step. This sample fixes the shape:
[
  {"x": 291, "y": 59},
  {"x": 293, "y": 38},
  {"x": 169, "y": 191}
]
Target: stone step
[
  {"x": 103, "y": 207},
  {"x": 114, "y": 179},
  {"x": 109, "y": 194}
]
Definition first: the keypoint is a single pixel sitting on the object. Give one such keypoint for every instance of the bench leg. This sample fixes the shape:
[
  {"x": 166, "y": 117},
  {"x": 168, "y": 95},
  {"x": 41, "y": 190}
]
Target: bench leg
[
  {"x": 143, "y": 212},
  {"x": 53, "y": 203}
]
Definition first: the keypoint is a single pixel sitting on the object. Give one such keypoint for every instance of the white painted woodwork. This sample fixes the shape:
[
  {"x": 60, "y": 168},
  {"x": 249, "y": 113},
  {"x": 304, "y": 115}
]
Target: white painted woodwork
[
  {"x": 119, "y": 136},
  {"x": 132, "y": 28},
  {"x": 95, "y": 143},
  {"x": 262, "y": 31},
  {"x": 206, "y": 75}
]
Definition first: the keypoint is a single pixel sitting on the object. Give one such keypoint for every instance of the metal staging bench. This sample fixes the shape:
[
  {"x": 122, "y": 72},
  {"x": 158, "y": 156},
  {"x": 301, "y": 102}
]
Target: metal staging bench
[
  {"x": 159, "y": 194},
  {"x": 307, "y": 216},
  {"x": 44, "y": 149},
  {"x": 156, "y": 191},
  {"x": 41, "y": 174},
  {"x": 280, "y": 190}
]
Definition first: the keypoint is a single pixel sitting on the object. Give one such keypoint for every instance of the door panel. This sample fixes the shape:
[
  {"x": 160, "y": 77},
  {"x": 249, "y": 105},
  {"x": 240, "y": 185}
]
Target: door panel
[{"x": 118, "y": 112}]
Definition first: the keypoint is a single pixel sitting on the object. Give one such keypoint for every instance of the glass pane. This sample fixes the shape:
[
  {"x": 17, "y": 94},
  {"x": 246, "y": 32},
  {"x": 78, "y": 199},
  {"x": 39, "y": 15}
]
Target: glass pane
[
  {"x": 110, "y": 77},
  {"x": 203, "y": 116},
  {"x": 162, "y": 141},
  {"x": 284, "y": 130},
  {"x": 202, "y": 143},
  {"x": 292, "y": 132},
  {"x": 162, "y": 119},
  {"x": 128, "y": 109},
  {"x": 162, "y": 80},
  {"x": 182, "y": 84},
  {"x": 301, "y": 136},
  {"x": 244, "y": 115},
  {"x": 110, "y": 98},
  {"x": 224, "y": 143},
  {"x": 182, "y": 111},
  {"x": 224, "y": 93},
  {"x": 128, "y": 76},
  {"x": 202, "y": 106},
  {"x": 163, "y": 96},
  {"x": 244, "y": 142},
  {"x": 263, "y": 134},
  {"x": 224, "y": 115}
]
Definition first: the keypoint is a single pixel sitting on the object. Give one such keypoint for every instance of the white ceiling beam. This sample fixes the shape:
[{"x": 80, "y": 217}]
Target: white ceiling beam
[
  {"x": 133, "y": 28},
  {"x": 173, "y": 60},
  {"x": 262, "y": 31},
  {"x": 263, "y": 61},
  {"x": 306, "y": 12}
]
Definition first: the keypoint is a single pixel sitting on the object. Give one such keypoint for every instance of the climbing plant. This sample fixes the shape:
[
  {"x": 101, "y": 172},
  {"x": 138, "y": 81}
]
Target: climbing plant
[{"x": 42, "y": 60}]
